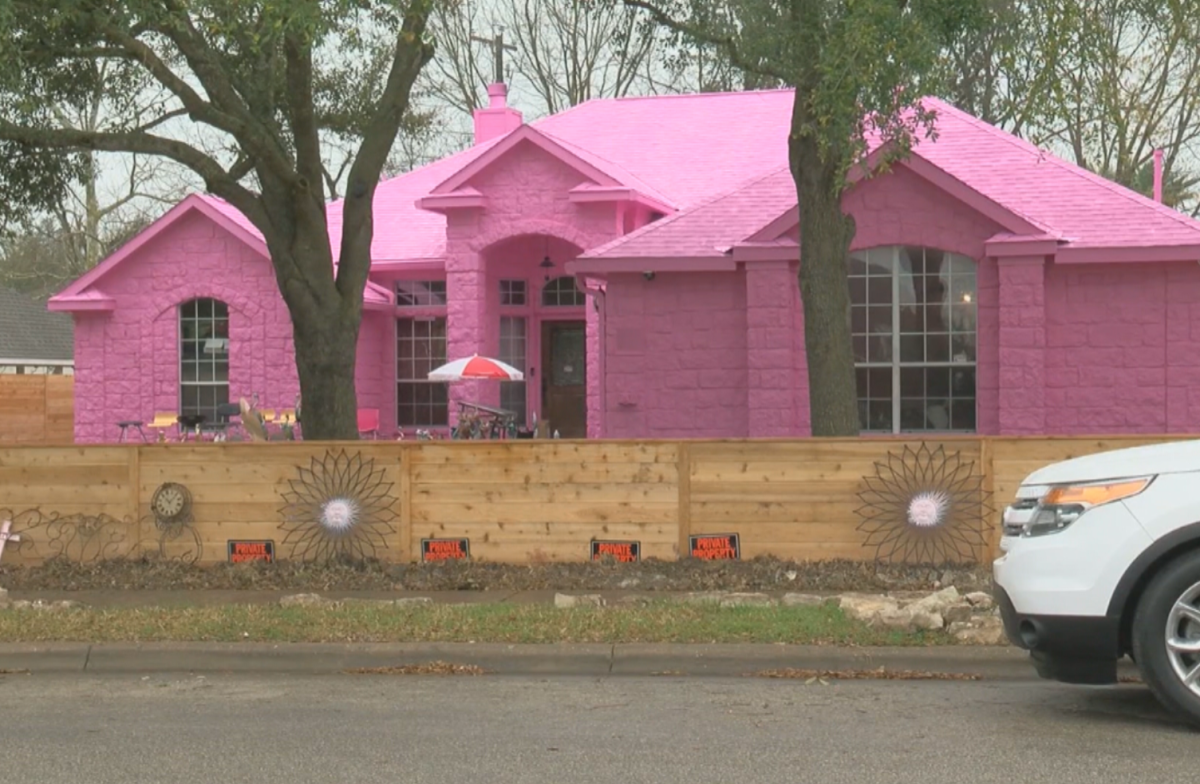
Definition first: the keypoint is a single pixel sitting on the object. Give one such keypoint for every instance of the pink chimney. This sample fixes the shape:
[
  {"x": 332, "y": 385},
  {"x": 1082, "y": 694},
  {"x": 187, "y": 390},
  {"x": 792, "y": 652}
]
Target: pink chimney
[{"x": 498, "y": 119}]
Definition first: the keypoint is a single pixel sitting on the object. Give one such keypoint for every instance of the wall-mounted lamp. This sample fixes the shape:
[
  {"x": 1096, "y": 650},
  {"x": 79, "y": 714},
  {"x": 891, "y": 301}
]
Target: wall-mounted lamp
[
  {"x": 547, "y": 265},
  {"x": 648, "y": 275}
]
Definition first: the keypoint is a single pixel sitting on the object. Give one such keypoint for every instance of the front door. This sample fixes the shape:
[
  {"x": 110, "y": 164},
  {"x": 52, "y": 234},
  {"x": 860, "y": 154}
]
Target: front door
[{"x": 564, "y": 377}]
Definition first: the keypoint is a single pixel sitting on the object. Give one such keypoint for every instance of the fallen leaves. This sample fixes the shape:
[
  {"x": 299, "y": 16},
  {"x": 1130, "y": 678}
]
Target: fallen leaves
[{"x": 428, "y": 668}]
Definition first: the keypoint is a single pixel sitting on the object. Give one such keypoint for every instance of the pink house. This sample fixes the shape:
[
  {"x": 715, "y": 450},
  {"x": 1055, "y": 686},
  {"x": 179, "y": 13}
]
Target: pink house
[{"x": 637, "y": 259}]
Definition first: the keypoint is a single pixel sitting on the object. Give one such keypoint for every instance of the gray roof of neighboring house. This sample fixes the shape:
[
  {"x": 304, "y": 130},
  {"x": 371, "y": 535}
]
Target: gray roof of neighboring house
[{"x": 29, "y": 331}]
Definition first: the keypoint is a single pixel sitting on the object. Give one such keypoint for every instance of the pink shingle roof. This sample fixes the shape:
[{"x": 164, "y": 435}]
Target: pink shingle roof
[
  {"x": 707, "y": 229},
  {"x": 695, "y": 152},
  {"x": 1081, "y": 209}
]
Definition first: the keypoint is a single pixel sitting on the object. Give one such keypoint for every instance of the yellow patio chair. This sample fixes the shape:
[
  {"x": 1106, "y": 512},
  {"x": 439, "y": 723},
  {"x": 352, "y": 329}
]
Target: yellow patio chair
[{"x": 164, "y": 421}]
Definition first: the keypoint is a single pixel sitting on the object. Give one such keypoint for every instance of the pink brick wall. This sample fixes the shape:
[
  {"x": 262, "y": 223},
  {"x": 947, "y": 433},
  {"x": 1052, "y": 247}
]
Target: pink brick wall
[
  {"x": 676, "y": 364},
  {"x": 1120, "y": 344},
  {"x": 129, "y": 358}
]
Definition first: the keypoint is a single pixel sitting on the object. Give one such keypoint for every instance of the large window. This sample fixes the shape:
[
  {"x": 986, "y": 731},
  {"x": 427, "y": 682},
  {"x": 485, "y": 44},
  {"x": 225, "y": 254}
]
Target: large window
[
  {"x": 203, "y": 357},
  {"x": 912, "y": 322},
  {"x": 512, "y": 351},
  {"x": 421, "y": 347}
]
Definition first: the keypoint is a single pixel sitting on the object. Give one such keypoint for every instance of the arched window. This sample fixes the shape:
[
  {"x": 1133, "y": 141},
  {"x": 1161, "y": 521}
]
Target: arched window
[
  {"x": 203, "y": 357},
  {"x": 912, "y": 323},
  {"x": 562, "y": 293}
]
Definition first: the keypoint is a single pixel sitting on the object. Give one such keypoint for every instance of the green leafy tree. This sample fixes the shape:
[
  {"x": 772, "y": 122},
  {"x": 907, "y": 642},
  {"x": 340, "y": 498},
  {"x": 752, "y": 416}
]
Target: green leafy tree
[
  {"x": 858, "y": 68},
  {"x": 261, "y": 86}
]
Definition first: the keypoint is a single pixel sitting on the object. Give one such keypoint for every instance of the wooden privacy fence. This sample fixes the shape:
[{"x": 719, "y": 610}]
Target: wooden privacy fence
[
  {"x": 522, "y": 501},
  {"x": 37, "y": 409}
]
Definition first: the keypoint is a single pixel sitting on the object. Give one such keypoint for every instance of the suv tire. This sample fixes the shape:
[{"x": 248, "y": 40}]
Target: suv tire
[{"x": 1155, "y": 620}]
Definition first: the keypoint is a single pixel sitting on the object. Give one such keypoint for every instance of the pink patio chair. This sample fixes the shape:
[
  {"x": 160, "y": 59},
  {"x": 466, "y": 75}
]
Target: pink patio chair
[{"x": 368, "y": 422}]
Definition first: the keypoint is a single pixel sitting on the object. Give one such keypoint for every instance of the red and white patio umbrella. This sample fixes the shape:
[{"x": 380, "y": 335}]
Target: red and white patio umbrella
[{"x": 476, "y": 367}]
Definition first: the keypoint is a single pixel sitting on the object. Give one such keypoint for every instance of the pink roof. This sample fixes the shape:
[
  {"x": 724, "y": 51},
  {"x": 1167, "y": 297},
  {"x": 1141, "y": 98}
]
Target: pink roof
[
  {"x": 1014, "y": 181},
  {"x": 720, "y": 160},
  {"x": 708, "y": 229}
]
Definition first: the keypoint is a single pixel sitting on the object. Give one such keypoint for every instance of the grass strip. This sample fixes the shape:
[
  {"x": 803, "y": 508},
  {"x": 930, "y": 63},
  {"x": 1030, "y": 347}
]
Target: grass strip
[{"x": 664, "y": 622}]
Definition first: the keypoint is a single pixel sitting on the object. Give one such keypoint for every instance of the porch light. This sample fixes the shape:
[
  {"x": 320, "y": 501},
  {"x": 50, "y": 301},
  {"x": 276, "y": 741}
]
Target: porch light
[{"x": 547, "y": 265}]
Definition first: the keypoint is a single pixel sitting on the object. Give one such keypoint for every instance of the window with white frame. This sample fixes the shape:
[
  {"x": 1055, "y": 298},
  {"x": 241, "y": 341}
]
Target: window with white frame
[
  {"x": 512, "y": 292},
  {"x": 203, "y": 357},
  {"x": 562, "y": 293},
  {"x": 512, "y": 351},
  {"x": 420, "y": 293},
  {"x": 913, "y": 325},
  {"x": 421, "y": 347}
]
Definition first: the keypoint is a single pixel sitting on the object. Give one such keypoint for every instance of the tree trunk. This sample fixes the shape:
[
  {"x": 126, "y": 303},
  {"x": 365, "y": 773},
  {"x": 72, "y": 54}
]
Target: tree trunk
[
  {"x": 326, "y": 350},
  {"x": 825, "y": 236}
]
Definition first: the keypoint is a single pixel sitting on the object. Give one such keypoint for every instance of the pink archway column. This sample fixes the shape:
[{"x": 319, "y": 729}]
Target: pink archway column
[
  {"x": 771, "y": 348},
  {"x": 1022, "y": 342}
]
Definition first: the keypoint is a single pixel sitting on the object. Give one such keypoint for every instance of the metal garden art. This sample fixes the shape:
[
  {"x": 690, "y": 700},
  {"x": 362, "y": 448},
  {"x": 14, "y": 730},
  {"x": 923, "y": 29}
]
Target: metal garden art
[
  {"x": 340, "y": 507},
  {"x": 924, "y": 506}
]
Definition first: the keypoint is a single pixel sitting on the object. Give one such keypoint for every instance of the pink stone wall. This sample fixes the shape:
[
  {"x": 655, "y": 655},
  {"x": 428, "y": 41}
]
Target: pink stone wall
[
  {"x": 676, "y": 364},
  {"x": 130, "y": 357},
  {"x": 1121, "y": 352}
]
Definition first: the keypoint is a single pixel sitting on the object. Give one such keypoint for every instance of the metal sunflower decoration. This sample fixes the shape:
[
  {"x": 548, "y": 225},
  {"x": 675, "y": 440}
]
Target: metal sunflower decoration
[
  {"x": 339, "y": 507},
  {"x": 924, "y": 506}
]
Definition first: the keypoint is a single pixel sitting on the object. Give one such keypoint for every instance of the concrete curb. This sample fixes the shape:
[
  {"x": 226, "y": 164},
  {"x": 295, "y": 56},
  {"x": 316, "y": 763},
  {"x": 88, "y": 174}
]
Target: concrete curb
[{"x": 602, "y": 660}]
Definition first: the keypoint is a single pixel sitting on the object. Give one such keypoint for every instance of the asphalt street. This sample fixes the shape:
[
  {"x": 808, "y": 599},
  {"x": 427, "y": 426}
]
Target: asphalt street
[{"x": 101, "y": 728}]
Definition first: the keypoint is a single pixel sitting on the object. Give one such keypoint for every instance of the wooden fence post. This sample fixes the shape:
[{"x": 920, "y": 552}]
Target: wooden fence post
[
  {"x": 135, "y": 491},
  {"x": 405, "y": 532},
  {"x": 990, "y": 510},
  {"x": 684, "y": 469}
]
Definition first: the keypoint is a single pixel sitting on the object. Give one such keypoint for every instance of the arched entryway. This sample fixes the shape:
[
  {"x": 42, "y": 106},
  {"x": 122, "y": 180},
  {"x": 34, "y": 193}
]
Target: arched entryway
[{"x": 536, "y": 317}]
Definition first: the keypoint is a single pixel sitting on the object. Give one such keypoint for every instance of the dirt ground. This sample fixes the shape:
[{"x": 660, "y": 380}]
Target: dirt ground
[{"x": 759, "y": 574}]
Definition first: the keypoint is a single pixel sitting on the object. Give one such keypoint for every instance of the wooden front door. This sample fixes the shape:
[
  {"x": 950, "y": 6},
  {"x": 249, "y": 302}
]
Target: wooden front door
[{"x": 564, "y": 377}]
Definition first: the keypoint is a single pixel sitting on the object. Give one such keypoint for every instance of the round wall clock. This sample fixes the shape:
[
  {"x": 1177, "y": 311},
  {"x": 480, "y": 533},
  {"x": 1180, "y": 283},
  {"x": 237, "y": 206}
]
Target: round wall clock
[{"x": 171, "y": 504}]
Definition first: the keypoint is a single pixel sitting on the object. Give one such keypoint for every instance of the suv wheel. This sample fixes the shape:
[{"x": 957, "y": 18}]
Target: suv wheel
[{"x": 1166, "y": 636}]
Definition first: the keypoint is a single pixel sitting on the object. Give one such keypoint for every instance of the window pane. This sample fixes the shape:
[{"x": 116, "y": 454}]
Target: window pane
[
  {"x": 858, "y": 290},
  {"x": 912, "y": 348},
  {"x": 962, "y": 414},
  {"x": 879, "y": 320},
  {"x": 860, "y": 349},
  {"x": 912, "y": 382},
  {"x": 881, "y": 415},
  {"x": 937, "y": 348},
  {"x": 912, "y": 414},
  {"x": 879, "y": 383},
  {"x": 937, "y": 414},
  {"x": 937, "y": 382},
  {"x": 879, "y": 348}
]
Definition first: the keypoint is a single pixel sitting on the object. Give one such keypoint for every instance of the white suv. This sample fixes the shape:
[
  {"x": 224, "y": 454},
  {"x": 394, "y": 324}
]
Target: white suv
[{"x": 1101, "y": 559}]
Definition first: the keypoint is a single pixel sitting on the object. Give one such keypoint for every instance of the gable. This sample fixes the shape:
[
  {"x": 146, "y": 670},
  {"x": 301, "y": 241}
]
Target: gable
[{"x": 193, "y": 233}]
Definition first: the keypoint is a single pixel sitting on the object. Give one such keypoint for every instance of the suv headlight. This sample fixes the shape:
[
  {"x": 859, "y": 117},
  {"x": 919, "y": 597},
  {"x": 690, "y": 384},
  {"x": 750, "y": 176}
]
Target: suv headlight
[{"x": 1065, "y": 504}]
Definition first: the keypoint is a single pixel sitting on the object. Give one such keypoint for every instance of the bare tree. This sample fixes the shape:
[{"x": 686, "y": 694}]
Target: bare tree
[{"x": 1104, "y": 82}]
